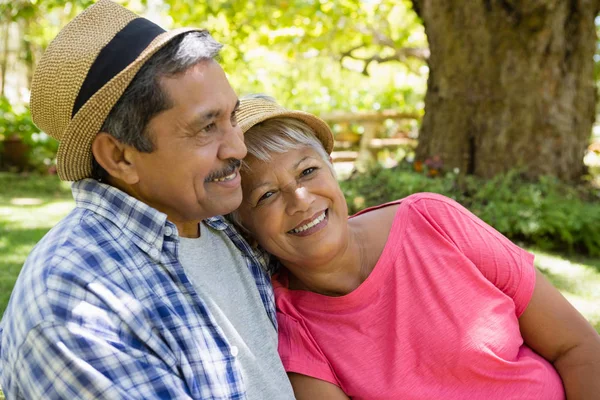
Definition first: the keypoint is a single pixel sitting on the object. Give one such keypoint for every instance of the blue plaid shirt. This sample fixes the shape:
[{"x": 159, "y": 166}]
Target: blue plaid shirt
[{"x": 102, "y": 309}]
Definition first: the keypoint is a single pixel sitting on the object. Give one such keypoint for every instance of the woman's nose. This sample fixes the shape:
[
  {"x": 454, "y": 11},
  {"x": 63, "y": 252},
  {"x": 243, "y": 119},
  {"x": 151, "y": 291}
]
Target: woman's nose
[{"x": 299, "y": 199}]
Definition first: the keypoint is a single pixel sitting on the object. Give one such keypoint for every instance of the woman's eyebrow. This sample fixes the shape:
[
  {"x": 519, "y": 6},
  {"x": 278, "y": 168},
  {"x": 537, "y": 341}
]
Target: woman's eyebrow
[
  {"x": 258, "y": 186},
  {"x": 295, "y": 166}
]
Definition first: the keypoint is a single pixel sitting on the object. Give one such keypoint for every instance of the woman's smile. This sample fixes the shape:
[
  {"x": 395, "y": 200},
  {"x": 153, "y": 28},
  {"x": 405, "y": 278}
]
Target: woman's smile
[{"x": 312, "y": 225}]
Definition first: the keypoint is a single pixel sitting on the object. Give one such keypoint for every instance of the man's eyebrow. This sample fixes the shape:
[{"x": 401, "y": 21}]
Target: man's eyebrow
[
  {"x": 199, "y": 120},
  {"x": 202, "y": 118}
]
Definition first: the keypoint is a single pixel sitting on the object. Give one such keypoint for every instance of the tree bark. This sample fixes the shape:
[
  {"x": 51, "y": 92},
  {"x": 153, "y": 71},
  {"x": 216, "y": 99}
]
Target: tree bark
[{"x": 511, "y": 85}]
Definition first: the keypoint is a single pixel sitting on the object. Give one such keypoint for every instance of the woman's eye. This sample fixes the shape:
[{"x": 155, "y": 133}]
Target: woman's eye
[
  {"x": 309, "y": 171},
  {"x": 265, "y": 196},
  {"x": 234, "y": 118}
]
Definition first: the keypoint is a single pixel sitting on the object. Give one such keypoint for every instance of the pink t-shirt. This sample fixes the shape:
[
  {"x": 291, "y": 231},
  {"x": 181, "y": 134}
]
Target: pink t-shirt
[{"x": 435, "y": 319}]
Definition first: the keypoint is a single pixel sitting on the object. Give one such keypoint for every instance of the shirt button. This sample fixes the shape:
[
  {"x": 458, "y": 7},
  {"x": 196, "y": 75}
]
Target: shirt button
[
  {"x": 234, "y": 351},
  {"x": 154, "y": 253},
  {"x": 168, "y": 231}
]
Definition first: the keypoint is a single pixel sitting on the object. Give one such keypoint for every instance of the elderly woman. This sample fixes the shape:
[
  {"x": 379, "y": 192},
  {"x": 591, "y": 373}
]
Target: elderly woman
[{"x": 413, "y": 299}]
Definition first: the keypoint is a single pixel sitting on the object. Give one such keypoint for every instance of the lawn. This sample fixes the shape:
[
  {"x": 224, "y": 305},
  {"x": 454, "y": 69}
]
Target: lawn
[{"x": 29, "y": 207}]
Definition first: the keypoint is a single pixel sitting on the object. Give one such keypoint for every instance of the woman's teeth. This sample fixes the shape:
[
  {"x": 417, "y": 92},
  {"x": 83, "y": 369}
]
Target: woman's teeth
[
  {"x": 314, "y": 222},
  {"x": 226, "y": 178}
]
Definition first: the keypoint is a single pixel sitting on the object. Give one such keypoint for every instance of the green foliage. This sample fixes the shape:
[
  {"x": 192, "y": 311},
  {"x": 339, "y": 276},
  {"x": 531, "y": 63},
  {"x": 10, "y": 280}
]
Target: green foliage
[
  {"x": 546, "y": 213},
  {"x": 15, "y": 122},
  {"x": 312, "y": 55},
  {"x": 309, "y": 55},
  {"x": 32, "y": 185}
]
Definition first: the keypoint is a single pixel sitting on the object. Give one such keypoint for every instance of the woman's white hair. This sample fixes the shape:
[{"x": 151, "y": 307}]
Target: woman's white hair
[{"x": 278, "y": 135}]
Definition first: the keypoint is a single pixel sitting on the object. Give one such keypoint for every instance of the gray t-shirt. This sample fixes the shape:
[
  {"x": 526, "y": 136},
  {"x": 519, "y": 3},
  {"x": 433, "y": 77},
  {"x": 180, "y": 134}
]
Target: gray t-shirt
[{"x": 220, "y": 275}]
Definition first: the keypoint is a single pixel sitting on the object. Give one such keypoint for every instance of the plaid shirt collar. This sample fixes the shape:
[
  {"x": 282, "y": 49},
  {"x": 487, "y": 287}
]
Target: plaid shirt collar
[{"x": 142, "y": 224}]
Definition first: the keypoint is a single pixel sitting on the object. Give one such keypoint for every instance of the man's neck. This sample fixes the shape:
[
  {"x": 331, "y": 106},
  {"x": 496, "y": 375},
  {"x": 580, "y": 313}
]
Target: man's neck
[{"x": 187, "y": 229}]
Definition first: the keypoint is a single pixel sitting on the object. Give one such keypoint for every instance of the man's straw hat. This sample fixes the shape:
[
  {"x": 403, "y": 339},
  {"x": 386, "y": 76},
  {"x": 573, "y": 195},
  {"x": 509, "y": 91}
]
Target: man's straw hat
[
  {"x": 254, "y": 110},
  {"x": 84, "y": 72}
]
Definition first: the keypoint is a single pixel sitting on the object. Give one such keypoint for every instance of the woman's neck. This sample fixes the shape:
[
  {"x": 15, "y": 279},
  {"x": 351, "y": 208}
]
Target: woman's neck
[{"x": 338, "y": 277}]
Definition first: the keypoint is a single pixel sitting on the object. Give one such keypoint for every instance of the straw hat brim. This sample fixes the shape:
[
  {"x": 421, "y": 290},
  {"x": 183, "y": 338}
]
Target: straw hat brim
[
  {"x": 256, "y": 114},
  {"x": 74, "y": 157}
]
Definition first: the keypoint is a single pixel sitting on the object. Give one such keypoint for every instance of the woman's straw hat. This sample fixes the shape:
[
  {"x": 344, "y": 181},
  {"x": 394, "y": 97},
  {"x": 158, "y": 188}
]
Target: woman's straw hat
[
  {"x": 254, "y": 110},
  {"x": 84, "y": 72}
]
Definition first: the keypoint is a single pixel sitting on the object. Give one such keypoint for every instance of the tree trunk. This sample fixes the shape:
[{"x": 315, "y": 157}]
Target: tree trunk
[{"x": 511, "y": 85}]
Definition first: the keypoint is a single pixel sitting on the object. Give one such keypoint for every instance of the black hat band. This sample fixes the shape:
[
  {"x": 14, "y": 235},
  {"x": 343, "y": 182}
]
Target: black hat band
[{"x": 120, "y": 52}]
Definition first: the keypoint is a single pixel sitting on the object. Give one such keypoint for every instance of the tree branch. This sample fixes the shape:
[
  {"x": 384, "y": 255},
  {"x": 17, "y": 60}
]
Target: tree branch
[{"x": 400, "y": 55}]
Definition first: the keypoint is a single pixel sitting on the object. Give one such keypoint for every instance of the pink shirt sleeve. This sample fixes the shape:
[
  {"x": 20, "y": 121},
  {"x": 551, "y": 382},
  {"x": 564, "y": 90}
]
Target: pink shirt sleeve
[
  {"x": 503, "y": 263},
  {"x": 299, "y": 352}
]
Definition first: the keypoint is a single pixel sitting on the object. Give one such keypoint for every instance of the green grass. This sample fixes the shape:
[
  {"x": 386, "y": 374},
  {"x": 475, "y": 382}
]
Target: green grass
[
  {"x": 29, "y": 207},
  {"x": 577, "y": 278}
]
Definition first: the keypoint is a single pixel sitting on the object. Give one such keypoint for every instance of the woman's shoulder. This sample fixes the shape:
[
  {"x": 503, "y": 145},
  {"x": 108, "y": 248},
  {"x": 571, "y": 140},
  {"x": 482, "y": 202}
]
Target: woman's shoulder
[
  {"x": 390, "y": 210},
  {"x": 413, "y": 199},
  {"x": 387, "y": 220}
]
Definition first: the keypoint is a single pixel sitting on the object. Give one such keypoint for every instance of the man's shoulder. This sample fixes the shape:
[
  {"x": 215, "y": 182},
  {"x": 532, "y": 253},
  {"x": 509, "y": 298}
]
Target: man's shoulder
[
  {"x": 69, "y": 257},
  {"x": 72, "y": 241}
]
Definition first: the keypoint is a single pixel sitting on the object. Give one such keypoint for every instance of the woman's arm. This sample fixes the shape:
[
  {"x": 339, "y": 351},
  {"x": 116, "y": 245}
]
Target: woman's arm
[
  {"x": 309, "y": 388},
  {"x": 558, "y": 332}
]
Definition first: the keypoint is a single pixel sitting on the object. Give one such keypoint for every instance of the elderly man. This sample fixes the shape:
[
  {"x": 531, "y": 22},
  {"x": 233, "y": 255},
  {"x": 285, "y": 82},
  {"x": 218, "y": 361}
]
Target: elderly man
[{"x": 143, "y": 291}]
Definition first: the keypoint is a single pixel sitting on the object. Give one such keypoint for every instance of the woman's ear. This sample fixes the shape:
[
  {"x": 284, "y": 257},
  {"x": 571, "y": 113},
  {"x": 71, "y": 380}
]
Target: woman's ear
[{"x": 115, "y": 157}]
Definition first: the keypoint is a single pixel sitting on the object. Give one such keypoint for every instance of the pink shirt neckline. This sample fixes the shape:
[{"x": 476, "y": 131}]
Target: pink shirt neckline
[{"x": 365, "y": 292}]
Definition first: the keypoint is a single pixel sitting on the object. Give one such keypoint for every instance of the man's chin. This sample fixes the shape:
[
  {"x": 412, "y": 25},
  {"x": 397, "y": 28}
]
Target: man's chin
[{"x": 228, "y": 204}]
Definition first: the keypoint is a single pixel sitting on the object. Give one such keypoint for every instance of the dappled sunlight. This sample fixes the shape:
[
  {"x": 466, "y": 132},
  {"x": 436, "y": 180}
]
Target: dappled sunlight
[
  {"x": 26, "y": 201},
  {"x": 589, "y": 307},
  {"x": 578, "y": 281},
  {"x": 17, "y": 254},
  {"x": 26, "y": 215},
  {"x": 578, "y": 272},
  {"x": 31, "y": 216}
]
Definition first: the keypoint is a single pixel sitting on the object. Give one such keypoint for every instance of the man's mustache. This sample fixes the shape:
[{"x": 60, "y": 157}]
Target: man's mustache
[{"x": 232, "y": 165}]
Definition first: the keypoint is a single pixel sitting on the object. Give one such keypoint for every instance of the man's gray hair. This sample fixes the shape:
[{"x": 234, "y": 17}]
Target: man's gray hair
[{"x": 144, "y": 98}]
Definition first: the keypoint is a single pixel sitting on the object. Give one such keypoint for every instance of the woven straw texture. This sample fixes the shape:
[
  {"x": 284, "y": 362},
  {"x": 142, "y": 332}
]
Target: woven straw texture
[
  {"x": 254, "y": 111},
  {"x": 60, "y": 75}
]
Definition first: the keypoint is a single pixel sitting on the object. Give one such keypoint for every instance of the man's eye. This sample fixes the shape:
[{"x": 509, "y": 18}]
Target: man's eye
[
  {"x": 209, "y": 127},
  {"x": 265, "y": 196},
  {"x": 234, "y": 118},
  {"x": 308, "y": 171}
]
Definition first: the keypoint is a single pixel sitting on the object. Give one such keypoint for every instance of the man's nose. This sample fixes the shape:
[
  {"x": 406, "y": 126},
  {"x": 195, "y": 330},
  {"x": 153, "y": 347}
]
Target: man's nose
[{"x": 233, "y": 145}]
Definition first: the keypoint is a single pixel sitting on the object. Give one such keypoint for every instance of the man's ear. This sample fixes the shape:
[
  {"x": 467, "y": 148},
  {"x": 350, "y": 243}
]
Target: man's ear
[{"x": 115, "y": 157}]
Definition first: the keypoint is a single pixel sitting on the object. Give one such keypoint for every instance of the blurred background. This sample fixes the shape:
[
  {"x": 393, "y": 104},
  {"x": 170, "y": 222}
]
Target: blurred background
[{"x": 490, "y": 102}]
